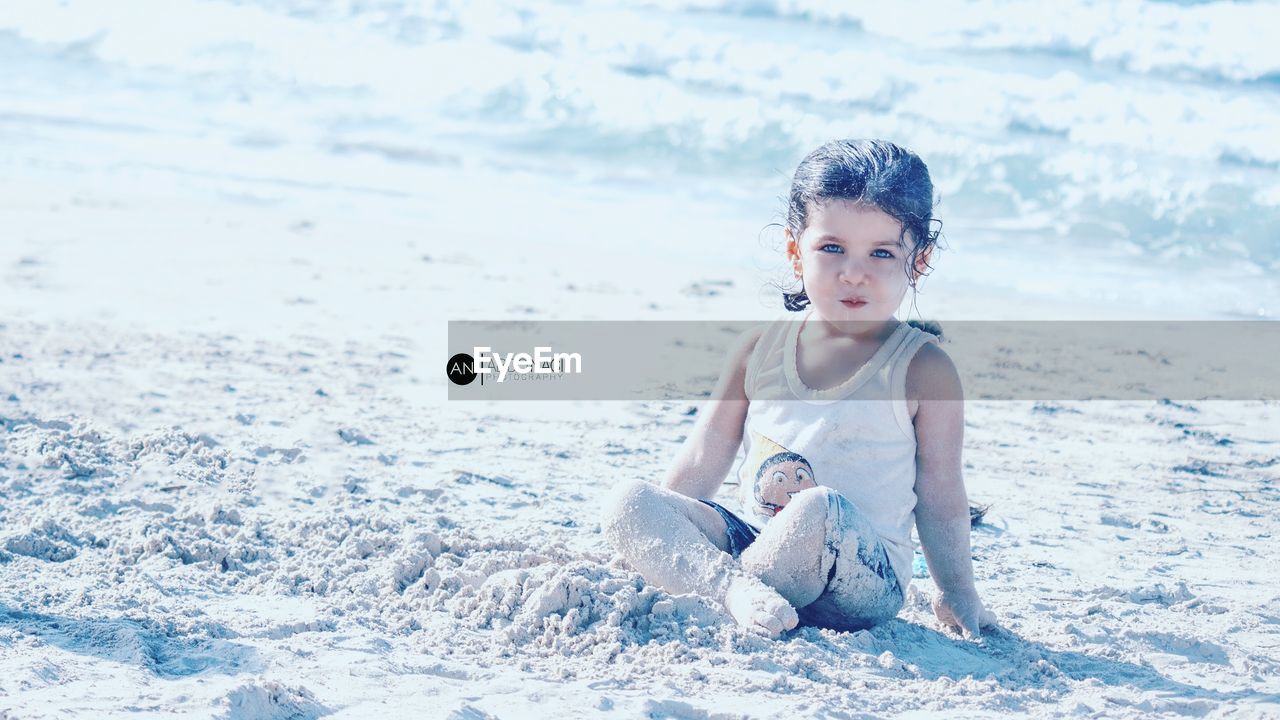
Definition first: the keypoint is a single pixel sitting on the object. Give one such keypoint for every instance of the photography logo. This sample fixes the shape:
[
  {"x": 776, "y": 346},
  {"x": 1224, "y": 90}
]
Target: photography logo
[{"x": 463, "y": 368}]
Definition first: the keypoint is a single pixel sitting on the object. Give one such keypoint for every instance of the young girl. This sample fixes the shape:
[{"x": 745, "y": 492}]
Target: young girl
[{"x": 851, "y": 422}]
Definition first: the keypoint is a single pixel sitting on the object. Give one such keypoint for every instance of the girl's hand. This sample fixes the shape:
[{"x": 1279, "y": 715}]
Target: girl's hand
[{"x": 963, "y": 612}]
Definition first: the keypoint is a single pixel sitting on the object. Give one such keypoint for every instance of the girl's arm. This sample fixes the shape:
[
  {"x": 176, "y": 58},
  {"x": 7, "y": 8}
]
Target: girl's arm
[
  {"x": 942, "y": 507},
  {"x": 705, "y": 457}
]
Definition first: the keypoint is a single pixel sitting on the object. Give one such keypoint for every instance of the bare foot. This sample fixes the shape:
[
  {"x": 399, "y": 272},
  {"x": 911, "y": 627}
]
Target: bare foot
[{"x": 758, "y": 607}]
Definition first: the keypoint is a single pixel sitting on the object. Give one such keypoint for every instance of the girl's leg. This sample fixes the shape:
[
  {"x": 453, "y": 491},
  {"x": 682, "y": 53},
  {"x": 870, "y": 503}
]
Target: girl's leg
[
  {"x": 680, "y": 544},
  {"x": 791, "y": 553},
  {"x": 822, "y": 554}
]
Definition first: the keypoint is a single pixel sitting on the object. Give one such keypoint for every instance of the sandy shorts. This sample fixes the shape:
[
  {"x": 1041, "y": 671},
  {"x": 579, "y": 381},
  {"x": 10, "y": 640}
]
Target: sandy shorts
[
  {"x": 862, "y": 589},
  {"x": 741, "y": 534}
]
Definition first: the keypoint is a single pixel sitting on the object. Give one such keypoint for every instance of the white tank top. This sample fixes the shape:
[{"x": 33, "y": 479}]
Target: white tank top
[{"x": 856, "y": 438}]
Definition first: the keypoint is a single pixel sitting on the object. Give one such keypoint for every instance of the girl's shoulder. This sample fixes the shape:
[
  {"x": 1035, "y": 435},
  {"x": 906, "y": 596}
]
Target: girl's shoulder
[
  {"x": 747, "y": 340},
  {"x": 932, "y": 375},
  {"x": 758, "y": 343},
  {"x": 750, "y": 340},
  {"x": 734, "y": 372}
]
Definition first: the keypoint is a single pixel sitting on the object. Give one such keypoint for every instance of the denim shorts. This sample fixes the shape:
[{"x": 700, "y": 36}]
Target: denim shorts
[
  {"x": 862, "y": 588},
  {"x": 740, "y": 534}
]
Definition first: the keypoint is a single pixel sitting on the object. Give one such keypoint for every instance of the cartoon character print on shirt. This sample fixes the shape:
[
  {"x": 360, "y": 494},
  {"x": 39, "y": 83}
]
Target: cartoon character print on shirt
[{"x": 779, "y": 474}]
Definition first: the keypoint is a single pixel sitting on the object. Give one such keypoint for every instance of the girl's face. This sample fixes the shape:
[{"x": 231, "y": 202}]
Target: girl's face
[{"x": 852, "y": 262}]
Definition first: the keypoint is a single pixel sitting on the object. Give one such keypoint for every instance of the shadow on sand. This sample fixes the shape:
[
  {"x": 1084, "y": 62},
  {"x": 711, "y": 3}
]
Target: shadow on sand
[
  {"x": 1017, "y": 663},
  {"x": 144, "y": 643}
]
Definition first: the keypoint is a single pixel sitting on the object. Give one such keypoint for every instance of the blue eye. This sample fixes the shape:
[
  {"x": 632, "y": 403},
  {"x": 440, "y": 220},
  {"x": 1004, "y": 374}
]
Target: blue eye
[
  {"x": 832, "y": 245},
  {"x": 886, "y": 254}
]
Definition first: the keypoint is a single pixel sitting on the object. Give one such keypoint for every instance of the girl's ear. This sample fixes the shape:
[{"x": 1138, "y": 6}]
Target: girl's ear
[
  {"x": 922, "y": 263},
  {"x": 793, "y": 250}
]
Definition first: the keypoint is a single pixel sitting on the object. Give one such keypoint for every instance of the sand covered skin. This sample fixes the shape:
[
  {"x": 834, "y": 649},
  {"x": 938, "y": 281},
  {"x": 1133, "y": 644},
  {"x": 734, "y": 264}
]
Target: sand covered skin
[{"x": 231, "y": 485}]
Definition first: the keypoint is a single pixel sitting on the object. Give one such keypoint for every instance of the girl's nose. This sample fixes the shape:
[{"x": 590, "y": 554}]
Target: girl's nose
[{"x": 854, "y": 272}]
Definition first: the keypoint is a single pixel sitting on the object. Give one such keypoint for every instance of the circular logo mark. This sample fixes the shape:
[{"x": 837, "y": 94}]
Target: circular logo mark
[{"x": 461, "y": 369}]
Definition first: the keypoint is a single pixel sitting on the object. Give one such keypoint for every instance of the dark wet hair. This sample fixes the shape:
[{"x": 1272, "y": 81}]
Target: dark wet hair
[{"x": 876, "y": 173}]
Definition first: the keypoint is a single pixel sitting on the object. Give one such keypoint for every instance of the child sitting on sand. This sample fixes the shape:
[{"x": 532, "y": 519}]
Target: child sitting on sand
[{"x": 852, "y": 423}]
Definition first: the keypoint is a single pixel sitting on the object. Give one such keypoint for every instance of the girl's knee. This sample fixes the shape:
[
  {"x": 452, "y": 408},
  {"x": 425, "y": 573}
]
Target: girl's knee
[
  {"x": 811, "y": 502},
  {"x": 807, "y": 518},
  {"x": 626, "y": 499}
]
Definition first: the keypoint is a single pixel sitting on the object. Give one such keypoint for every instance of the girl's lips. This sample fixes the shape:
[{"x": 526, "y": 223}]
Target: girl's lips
[{"x": 853, "y": 303}]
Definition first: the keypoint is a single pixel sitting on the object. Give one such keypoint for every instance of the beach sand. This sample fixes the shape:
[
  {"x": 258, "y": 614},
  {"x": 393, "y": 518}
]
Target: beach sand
[{"x": 231, "y": 486}]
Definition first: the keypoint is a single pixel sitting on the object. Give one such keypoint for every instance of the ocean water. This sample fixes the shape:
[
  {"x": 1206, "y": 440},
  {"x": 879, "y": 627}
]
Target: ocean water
[{"x": 1120, "y": 154}]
